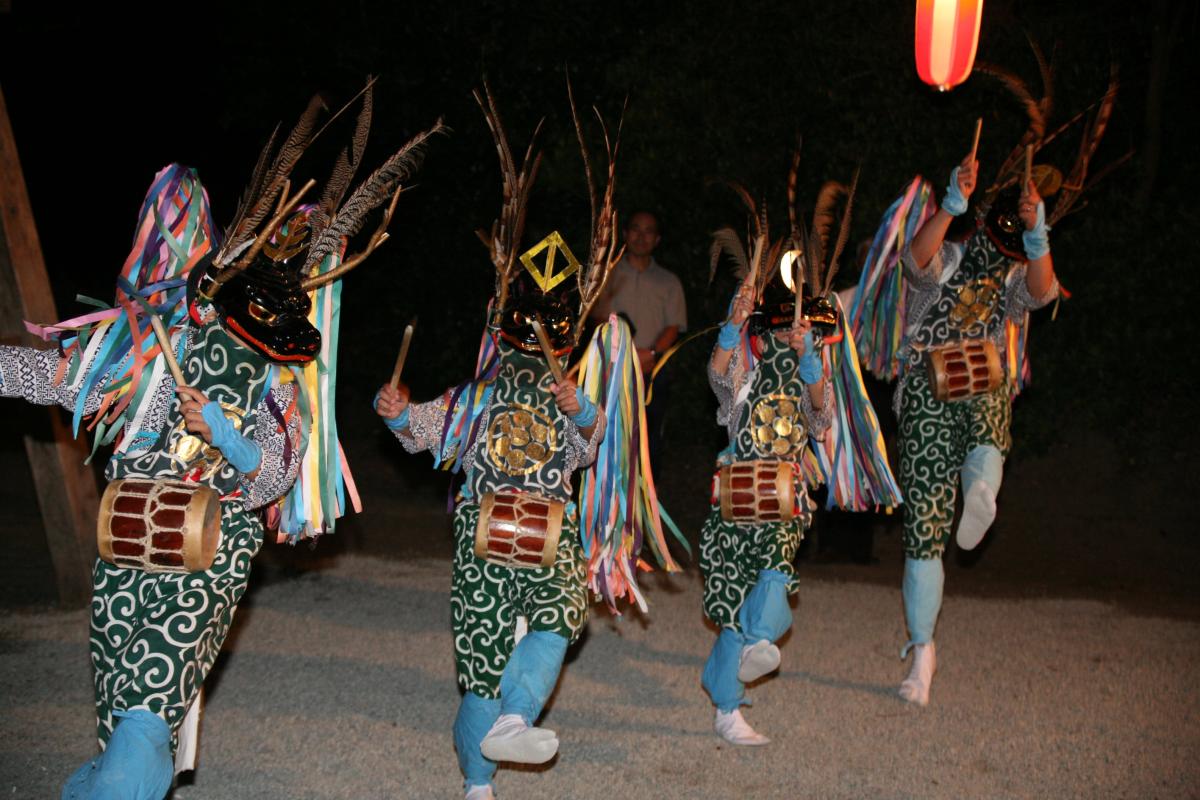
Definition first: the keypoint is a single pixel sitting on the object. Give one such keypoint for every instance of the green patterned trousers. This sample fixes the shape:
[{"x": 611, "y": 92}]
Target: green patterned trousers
[
  {"x": 732, "y": 555},
  {"x": 486, "y": 599},
  {"x": 154, "y": 637},
  {"x": 935, "y": 437}
]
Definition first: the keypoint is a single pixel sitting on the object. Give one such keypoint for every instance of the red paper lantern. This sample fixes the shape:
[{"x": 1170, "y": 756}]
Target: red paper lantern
[{"x": 947, "y": 35}]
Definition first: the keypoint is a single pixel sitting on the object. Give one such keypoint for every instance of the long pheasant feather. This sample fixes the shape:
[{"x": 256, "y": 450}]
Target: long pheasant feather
[
  {"x": 843, "y": 236},
  {"x": 372, "y": 193},
  {"x": 726, "y": 240}
]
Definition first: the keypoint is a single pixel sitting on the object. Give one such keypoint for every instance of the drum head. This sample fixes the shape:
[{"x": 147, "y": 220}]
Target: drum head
[
  {"x": 204, "y": 512},
  {"x": 212, "y": 526}
]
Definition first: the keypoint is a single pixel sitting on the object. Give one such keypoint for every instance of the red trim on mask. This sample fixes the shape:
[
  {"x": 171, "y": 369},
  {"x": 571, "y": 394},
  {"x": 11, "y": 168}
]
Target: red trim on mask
[
  {"x": 525, "y": 347},
  {"x": 241, "y": 333}
]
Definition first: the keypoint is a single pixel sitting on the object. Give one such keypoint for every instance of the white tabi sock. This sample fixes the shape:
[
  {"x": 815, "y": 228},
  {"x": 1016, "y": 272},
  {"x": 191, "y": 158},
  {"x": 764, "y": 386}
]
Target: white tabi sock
[
  {"x": 915, "y": 688},
  {"x": 757, "y": 660},
  {"x": 982, "y": 472},
  {"x": 979, "y": 511},
  {"x": 733, "y": 728},
  {"x": 510, "y": 739}
]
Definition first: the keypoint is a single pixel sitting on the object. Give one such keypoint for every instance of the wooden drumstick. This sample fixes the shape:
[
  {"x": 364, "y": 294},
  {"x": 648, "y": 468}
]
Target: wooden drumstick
[
  {"x": 547, "y": 351},
  {"x": 975, "y": 144},
  {"x": 752, "y": 278},
  {"x": 404, "y": 343},
  {"x": 164, "y": 343},
  {"x": 1028, "y": 167},
  {"x": 798, "y": 282}
]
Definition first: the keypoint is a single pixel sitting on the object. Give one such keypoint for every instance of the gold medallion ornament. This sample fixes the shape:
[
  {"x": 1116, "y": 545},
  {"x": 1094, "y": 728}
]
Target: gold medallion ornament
[
  {"x": 195, "y": 453},
  {"x": 777, "y": 425},
  {"x": 546, "y": 278},
  {"x": 521, "y": 439},
  {"x": 976, "y": 302}
]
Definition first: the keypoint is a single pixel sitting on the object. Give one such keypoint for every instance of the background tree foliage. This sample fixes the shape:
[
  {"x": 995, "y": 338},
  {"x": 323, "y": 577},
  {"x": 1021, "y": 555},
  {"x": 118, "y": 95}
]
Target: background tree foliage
[{"x": 716, "y": 90}]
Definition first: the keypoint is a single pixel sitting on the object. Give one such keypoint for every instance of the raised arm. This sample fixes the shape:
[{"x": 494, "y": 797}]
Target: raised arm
[
  {"x": 1039, "y": 276},
  {"x": 817, "y": 399},
  {"x": 576, "y": 406},
  {"x": 731, "y": 331},
  {"x": 587, "y": 423},
  {"x": 391, "y": 403},
  {"x": 929, "y": 238},
  {"x": 417, "y": 426}
]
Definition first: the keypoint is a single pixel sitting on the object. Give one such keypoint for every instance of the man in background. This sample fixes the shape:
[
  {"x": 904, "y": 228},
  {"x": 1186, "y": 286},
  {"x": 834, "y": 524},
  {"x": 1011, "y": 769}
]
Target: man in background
[{"x": 651, "y": 298}]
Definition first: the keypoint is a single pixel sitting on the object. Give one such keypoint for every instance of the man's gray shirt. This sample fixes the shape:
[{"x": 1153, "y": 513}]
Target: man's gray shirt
[{"x": 652, "y": 299}]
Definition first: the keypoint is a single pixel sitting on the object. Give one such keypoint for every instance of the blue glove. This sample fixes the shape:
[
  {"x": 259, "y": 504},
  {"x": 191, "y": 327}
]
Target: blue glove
[
  {"x": 812, "y": 369},
  {"x": 954, "y": 203},
  {"x": 731, "y": 333},
  {"x": 396, "y": 423},
  {"x": 244, "y": 454},
  {"x": 586, "y": 417},
  {"x": 729, "y": 336},
  {"x": 1037, "y": 240}
]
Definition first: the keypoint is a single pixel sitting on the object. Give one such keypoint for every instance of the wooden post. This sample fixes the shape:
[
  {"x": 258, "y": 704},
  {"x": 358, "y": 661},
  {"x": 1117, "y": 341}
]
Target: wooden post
[{"x": 66, "y": 487}]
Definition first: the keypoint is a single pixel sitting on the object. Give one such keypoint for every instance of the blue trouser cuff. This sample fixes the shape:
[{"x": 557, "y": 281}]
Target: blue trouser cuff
[
  {"x": 765, "y": 613},
  {"x": 530, "y": 674},
  {"x": 922, "y": 590},
  {"x": 476, "y": 716},
  {"x": 720, "y": 678},
  {"x": 136, "y": 764}
]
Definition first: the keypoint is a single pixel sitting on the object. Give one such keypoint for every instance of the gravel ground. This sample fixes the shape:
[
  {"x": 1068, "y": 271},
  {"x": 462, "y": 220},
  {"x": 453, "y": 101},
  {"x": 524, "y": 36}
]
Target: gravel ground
[{"x": 339, "y": 683}]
